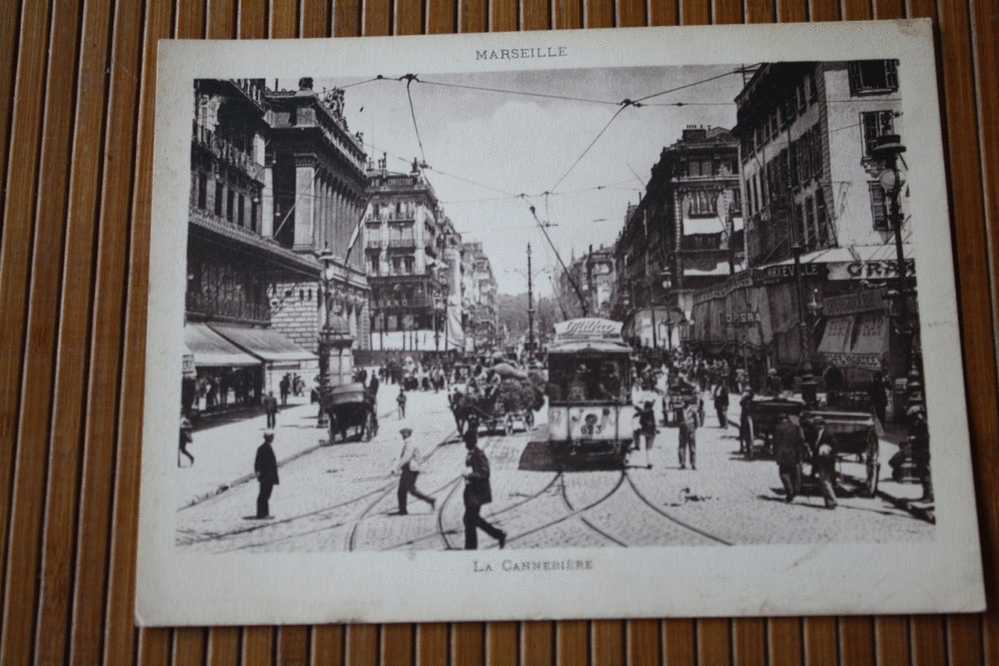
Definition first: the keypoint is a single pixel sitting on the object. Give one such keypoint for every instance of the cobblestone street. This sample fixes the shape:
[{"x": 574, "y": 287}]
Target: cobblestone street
[{"x": 343, "y": 497}]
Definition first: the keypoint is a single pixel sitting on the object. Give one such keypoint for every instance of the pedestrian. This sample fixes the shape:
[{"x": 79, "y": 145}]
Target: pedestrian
[
  {"x": 407, "y": 466},
  {"x": 720, "y": 395},
  {"x": 266, "y": 469},
  {"x": 878, "y": 397},
  {"x": 374, "y": 384},
  {"x": 824, "y": 461},
  {"x": 745, "y": 424},
  {"x": 270, "y": 408},
  {"x": 285, "y": 387},
  {"x": 478, "y": 492},
  {"x": 688, "y": 436},
  {"x": 185, "y": 439},
  {"x": 646, "y": 430},
  {"x": 789, "y": 443},
  {"x": 400, "y": 400}
]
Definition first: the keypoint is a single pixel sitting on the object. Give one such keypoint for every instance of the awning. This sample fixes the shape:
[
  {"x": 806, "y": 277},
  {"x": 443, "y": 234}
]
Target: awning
[
  {"x": 264, "y": 343},
  {"x": 870, "y": 340},
  {"x": 837, "y": 336},
  {"x": 212, "y": 350},
  {"x": 858, "y": 262}
]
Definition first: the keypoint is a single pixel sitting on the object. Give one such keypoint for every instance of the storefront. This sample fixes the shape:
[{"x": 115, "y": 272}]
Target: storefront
[
  {"x": 224, "y": 375},
  {"x": 277, "y": 355}
]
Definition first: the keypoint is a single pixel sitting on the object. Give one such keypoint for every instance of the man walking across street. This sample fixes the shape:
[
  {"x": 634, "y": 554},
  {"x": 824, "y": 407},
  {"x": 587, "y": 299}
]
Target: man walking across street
[
  {"x": 720, "y": 395},
  {"x": 400, "y": 400},
  {"x": 688, "y": 436},
  {"x": 270, "y": 408},
  {"x": 478, "y": 492},
  {"x": 266, "y": 469},
  {"x": 408, "y": 468},
  {"x": 789, "y": 443}
]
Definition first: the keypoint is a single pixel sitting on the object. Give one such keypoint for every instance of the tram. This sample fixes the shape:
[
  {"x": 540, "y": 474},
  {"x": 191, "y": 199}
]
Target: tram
[{"x": 589, "y": 392}]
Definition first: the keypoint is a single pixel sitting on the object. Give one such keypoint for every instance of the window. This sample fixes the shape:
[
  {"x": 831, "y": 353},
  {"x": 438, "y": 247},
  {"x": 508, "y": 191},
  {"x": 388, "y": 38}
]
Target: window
[
  {"x": 875, "y": 125},
  {"x": 703, "y": 204},
  {"x": 821, "y": 216},
  {"x": 736, "y": 207},
  {"x": 202, "y": 190},
  {"x": 240, "y": 215},
  {"x": 873, "y": 76},
  {"x": 694, "y": 168},
  {"x": 810, "y": 222},
  {"x": 396, "y": 265},
  {"x": 410, "y": 261},
  {"x": 879, "y": 207},
  {"x": 755, "y": 194},
  {"x": 218, "y": 198},
  {"x": 253, "y": 215},
  {"x": 230, "y": 199}
]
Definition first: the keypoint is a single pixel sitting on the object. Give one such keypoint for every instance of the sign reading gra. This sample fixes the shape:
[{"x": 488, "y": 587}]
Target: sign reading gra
[{"x": 874, "y": 269}]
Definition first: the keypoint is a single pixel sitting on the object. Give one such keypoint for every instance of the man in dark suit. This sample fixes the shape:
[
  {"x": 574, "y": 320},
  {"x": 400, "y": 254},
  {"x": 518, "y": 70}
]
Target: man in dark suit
[
  {"x": 270, "y": 405},
  {"x": 478, "y": 492},
  {"x": 266, "y": 468},
  {"x": 789, "y": 443}
]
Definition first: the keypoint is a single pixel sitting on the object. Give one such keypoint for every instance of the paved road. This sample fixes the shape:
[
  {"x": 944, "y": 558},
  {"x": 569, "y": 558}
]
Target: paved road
[{"x": 341, "y": 498}]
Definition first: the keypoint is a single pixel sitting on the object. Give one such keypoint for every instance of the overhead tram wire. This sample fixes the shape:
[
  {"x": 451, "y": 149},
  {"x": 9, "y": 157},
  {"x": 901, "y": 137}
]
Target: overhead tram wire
[
  {"x": 689, "y": 85},
  {"x": 523, "y": 93},
  {"x": 568, "y": 275}
]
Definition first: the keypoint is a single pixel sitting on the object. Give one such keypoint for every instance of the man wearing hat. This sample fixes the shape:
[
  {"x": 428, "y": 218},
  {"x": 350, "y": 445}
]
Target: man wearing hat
[
  {"x": 789, "y": 443},
  {"x": 185, "y": 439},
  {"x": 266, "y": 468},
  {"x": 407, "y": 467},
  {"x": 478, "y": 491}
]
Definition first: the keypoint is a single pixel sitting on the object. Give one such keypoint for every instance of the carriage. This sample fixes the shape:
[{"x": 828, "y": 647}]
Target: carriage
[
  {"x": 763, "y": 415},
  {"x": 351, "y": 410},
  {"x": 855, "y": 434},
  {"x": 590, "y": 415}
]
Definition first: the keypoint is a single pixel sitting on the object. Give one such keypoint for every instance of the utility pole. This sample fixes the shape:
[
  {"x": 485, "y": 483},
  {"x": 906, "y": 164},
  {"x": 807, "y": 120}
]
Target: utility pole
[{"x": 530, "y": 304}]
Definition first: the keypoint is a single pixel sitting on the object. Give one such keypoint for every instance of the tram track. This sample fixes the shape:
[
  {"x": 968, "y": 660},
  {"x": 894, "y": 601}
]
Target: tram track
[
  {"x": 583, "y": 519},
  {"x": 382, "y": 490},
  {"x": 669, "y": 517}
]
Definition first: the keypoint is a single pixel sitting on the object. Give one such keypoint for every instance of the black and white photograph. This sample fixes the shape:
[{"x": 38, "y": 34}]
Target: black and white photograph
[{"x": 530, "y": 313}]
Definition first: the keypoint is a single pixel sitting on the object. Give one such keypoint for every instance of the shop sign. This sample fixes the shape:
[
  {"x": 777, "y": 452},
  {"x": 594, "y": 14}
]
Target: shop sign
[
  {"x": 742, "y": 318},
  {"x": 187, "y": 366},
  {"x": 782, "y": 272},
  {"x": 862, "y": 301},
  {"x": 875, "y": 269},
  {"x": 849, "y": 360}
]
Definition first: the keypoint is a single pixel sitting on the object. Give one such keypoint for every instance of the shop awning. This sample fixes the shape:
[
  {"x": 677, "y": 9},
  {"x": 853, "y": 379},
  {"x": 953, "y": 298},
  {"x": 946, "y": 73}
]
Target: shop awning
[
  {"x": 212, "y": 350},
  {"x": 264, "y": 343},
  {"x": 837, "y": 336},
  {"x": 870, "y": 340},
  {"x": 857, "y": 262}
]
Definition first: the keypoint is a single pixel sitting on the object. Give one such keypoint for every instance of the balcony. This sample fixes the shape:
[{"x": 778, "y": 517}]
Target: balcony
[
  {"x": 226, "y": 152},
  {"x": 402, "y": 243}
]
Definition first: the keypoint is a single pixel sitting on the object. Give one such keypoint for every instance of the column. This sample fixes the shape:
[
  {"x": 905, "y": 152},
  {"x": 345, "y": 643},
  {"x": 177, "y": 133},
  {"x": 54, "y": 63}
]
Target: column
[
  {"x": 320, "y": 206},
  {"x": 305, "y": 191},
  {"x": 266, "y": 202}
]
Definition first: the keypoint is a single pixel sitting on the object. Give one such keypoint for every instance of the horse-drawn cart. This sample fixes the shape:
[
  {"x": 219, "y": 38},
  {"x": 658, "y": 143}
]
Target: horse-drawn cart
[
  {"x": 763, "y": 414},
  {"x": 855, "y": 435},
  {"x": 350, "y": 408}
]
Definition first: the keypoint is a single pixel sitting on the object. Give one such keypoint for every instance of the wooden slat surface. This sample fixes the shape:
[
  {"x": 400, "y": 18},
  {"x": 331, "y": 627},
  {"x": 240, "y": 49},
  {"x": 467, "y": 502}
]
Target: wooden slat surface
[{"x": 76, "y": 111}]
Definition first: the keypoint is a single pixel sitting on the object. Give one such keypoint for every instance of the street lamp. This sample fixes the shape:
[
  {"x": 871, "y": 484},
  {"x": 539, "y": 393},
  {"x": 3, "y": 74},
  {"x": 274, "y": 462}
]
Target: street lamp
[
  {"x": 325, "y": 342},
  {"x": 889, "y": 150}
]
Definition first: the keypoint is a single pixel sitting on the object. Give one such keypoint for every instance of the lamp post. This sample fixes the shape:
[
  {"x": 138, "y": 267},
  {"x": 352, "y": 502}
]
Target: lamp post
[
  {"x": 809, "y": 388},
  {"x": 325, "y": 342},
  {"x": 889, "y": 150}
]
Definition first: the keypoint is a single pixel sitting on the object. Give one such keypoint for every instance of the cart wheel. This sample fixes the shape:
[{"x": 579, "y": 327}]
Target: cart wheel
[
  {"x": 508, "y": 425},
  {"x": 873, "y": 465}
]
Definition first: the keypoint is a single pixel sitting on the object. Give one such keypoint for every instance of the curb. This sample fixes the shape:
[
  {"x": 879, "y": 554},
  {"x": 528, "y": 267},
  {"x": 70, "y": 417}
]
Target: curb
[{"x": 238, "y": 481}]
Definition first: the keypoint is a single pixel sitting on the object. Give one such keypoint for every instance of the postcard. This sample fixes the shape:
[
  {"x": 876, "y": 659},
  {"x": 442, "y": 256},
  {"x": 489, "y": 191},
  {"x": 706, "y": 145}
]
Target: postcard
[{"x": 610, "y": 323}]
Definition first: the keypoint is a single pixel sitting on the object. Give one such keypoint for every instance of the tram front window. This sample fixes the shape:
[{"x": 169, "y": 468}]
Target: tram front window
[{"x": 585, "y": 380}]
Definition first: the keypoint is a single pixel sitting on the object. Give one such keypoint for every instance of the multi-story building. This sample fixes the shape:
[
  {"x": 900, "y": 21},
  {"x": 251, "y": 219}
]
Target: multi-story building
[
  {"x": 807, "y": 133},
  {"x": 686, "y": 233},
  {"x": 234, "y": 351},
  {"x": 593, "y": 273},
  {"x": 403, "y": 254},
  {"x": 482, "y": 320},
  {"x": 314, "y": 197}
]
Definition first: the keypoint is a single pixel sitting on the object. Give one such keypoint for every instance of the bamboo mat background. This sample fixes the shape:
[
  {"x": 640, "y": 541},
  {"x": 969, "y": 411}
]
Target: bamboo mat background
[{"x": 76, "y": 112}]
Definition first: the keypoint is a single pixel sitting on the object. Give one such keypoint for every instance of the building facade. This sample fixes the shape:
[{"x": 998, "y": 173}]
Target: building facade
[
  {"x": 403, "y": 251},
  {"x": 234, "y": 351},
  {"x": 594, "y": 274},
  {"x": 482, "y": 321},
  {"x": 313, "y": 199},
  {"x": 685, "y": 234},
  {"x": 818, "y": 229}
]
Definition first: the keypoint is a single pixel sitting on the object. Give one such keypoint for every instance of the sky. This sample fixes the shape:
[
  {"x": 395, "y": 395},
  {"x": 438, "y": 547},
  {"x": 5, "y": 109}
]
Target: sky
[{"x": 508, "y": 144}]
